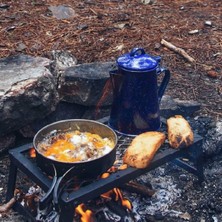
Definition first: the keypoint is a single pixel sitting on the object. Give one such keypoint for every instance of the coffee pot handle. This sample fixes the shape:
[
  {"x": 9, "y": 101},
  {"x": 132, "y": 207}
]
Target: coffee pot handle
[{"x": 164, "y": 82}]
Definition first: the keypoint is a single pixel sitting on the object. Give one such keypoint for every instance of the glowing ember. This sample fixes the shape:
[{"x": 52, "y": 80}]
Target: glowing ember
[
  {"x": 107, "y": 195},
  {"x": 117, "y": 195},
  {"x": 122, "y": 167},
  {"x": 126, "y": 203},
  {"x": 86, "y": 215},
  {"x": 105, "y": 175},
  {"x": 112, "y": 169},
  {"x": 32, "y": 153}
]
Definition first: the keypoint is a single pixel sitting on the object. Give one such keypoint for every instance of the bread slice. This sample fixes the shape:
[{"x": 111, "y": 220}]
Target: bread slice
[
  {"x": 143, "y": 148},
  {"x": 180, "y": 133}
]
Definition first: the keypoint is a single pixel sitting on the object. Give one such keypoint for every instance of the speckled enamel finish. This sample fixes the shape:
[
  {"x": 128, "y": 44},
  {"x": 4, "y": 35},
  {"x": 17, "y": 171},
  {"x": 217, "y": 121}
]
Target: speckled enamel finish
[{"x": 136, "y": 94}]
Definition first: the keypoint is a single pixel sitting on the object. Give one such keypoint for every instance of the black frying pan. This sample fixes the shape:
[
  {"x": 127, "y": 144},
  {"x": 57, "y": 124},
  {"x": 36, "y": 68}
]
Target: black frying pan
[{"x": 82, "y": 169}]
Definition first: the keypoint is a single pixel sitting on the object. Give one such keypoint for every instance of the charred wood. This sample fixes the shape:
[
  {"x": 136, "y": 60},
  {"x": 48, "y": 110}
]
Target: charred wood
[{"x": 138, "y": 188}]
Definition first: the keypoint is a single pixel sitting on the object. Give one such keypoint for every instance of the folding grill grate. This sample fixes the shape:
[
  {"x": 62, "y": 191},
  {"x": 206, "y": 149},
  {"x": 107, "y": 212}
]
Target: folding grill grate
[{"x": 20, "y": 160}]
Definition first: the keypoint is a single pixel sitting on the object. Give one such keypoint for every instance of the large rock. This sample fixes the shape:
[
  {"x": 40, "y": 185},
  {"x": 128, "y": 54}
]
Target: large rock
[
  {"x": 87, "y": 84},
  {"x": 63, "y": 111},
  {"x": 170, "y": 107},
  {"x": 27, "y": 91},
  {"x": 61, "y": 60}
]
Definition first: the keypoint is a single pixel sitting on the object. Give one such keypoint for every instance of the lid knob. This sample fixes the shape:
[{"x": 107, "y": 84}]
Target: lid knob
[{"x": 137, "y": 52}]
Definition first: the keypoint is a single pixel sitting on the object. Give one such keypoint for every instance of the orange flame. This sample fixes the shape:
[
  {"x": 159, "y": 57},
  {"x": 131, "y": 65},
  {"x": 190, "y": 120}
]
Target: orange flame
[
  {"x": 86, "y": 215},
  {"x": 107, "y": 195},
  {"x": 105, "y": 175},
  {"x": 112, "y": 169},
  {"x": 126, "y": 203},
  {"x": 122, "y": 167},
  {"x": 117, "y": 195},
  {"x": 32, "y": 153}
]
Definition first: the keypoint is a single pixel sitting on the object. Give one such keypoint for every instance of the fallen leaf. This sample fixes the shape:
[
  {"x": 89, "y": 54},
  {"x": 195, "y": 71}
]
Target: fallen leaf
[
  {"x": 120, "y": 26},
  {"x": 118, "y": 48},
  {"x": 11, "y": 28}
]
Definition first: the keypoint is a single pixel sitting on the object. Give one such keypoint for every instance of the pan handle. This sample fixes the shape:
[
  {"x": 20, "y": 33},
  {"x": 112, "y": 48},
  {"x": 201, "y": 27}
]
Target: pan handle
[
  {"x": 47, "y": 198},
  {"x": 56, "y": 189}
]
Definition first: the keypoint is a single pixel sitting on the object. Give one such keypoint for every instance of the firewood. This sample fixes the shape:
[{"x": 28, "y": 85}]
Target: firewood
[
  {"x": 7, "y": 206},
  {"x": 138, "y": 188},
  {"x": 178, "y": 50}
]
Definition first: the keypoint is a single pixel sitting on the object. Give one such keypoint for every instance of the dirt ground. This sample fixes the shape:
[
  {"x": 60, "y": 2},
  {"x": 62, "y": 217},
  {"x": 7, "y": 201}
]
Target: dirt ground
[{"x": 103, "y": 30}]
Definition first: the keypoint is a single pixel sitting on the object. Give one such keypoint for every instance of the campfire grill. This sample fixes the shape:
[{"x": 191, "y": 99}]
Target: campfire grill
[{"x": 20, "y": 160}]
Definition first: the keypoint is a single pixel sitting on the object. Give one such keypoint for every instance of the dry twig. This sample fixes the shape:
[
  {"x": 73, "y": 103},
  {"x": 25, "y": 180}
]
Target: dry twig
[
  {"x": 7, "y": 206},
  {"x": 177, "y": 50}
]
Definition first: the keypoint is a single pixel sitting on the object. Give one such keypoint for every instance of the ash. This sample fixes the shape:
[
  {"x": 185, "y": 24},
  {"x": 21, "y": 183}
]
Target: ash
[
  {"x": 165, "y": 196},
  {"x": 166, "y": 193}
]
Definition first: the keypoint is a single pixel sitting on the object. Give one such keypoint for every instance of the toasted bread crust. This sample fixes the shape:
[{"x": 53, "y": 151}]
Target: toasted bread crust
[
  {"x": 180, "y": 133},
  {"x": 143, "y": 148}
]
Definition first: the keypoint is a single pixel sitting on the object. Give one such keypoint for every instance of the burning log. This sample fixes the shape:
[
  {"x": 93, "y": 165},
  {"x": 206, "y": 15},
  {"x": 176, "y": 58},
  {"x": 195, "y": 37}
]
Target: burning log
[
  {"x": 138, "y": 188},
  {"x": 177, "y": 50},
  {"x": 7, "y": 206}
]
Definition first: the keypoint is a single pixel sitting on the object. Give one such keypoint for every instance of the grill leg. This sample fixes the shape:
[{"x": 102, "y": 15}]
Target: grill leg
[
  {"x": 195, "y": 155},
  {"x": 67, "y": 213},
  {"x": 11, "y": 181},
  {"x": 198, "y": 156}
]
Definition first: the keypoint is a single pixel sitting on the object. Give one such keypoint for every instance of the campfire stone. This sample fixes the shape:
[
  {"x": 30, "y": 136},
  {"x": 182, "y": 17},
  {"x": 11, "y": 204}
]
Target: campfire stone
[
  {"x": 61, "y": 60},
  {"x": 63, "y": 111},
  {"x": 7, "y": 141},
  {"x": 27, "y": 91},
  {"x": 84, "y": 84},
  {"x": 170, "y": 107},
  {"x": 213, "y": 140},
  {"x": 62, "y": 12},
  {"x": 211, "y": 131}
]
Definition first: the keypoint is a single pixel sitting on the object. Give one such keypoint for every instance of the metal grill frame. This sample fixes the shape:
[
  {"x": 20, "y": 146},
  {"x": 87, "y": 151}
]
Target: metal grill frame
[{"x": 18, "y": 161}]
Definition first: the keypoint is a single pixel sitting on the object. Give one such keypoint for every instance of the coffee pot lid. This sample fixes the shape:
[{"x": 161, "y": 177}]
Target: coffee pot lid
[{"x": 138, "y": 60}]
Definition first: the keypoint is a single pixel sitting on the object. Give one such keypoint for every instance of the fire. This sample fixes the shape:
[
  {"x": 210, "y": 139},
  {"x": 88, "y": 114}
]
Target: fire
[
  {"x": 122, "y": 167},
  {"x": 117, "y": 195},
  {"x": 107, "y": 195},
  {"x": 126, "y": 203},
  {"x": 86, "y": 215},
  {"x": 114, "y": 194},
  {"x": 32, "y": 153},
  {"x": 112, "y": 169},
  {"x": 105, "y": 175}
]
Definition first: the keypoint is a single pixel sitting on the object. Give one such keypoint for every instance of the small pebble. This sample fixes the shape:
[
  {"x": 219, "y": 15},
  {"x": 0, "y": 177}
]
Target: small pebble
[
  {"x": 4, "y": 6},
  {"x": 193, "y": 32},
  {"x": 208, "y": 23},
  {"x": 212, "y": 74}
]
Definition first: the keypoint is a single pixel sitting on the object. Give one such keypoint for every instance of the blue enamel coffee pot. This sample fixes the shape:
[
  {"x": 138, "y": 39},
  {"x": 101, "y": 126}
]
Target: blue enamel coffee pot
[{"x": 136, "y": 93}]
